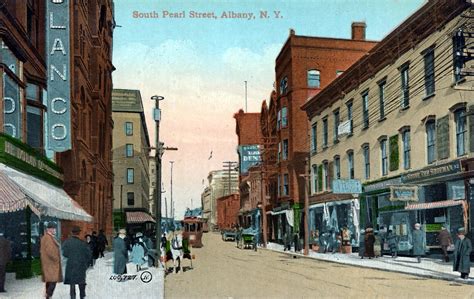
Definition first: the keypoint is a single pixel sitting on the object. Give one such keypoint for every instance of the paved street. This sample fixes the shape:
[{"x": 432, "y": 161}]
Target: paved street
[{"x": 223, "y": 271}]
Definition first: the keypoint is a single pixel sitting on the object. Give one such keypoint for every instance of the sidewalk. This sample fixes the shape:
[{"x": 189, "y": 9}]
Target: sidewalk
[
  {"x": 99, "y": 284},
  {"x": 429, "y": 268}
]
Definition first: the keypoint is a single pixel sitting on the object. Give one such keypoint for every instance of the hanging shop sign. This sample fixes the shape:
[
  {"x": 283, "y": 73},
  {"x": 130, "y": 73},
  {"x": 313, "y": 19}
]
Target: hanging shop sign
[
  {"x": 346, "y": 187},
  {"x": 403, "y": 193},
  {"x": 59, "y": 75},
  {"x": 249, "y": 156},
  {"x": 385, "y": 184},
  {"x": 432, "y": 172}
]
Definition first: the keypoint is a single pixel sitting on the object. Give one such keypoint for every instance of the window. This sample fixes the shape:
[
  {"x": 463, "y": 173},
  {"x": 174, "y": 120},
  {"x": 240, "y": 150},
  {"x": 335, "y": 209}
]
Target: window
[
  {"x": 367, "y": 161},
  {"x": 336, "y": 125},
  {"x": 34, "y": 127},
  {"x": 325, "y": 176},
  {"x": 284, "y": 117},
  {"x": 314, "y": 175},
  {"x": 350, "y": 164},
  {"x": 405, "y": 86},
  {"x": 283, "y": 86},
  {"x": 349, "y": 114},
  {"x": 279, "y": 186},
  {"x": 383, "y": 155},
  {"x": 285, "y": 149},
  {"x": 429, "y": 72},
  {"x": 337, "y": 167},
  {"x": 278, "y": 119},
  {"x": 314, "y": 137},
  {"x": 129, "y": 128},
  {"x": 129, "y": 150},
  {"x": 314, "y": 79},
  {"x": 406, "y": 149},
  {"x": 430, "y": 141},
  {"x": 382, "y": 99},
  {"x": 365, "y": 109},
  {"x": 279, "y": 151},
  {"x": 130, "y": 198},
  {"x": 325, "y": 132},
  {"x": 459, "y": 43},
  {"x": 130, "y": 176},
  {"x": 461, "y": 131},
  {"x": 285, "y": 185}
]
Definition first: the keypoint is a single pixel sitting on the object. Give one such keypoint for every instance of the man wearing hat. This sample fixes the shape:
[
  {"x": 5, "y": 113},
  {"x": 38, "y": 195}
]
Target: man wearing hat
[
  {"x": 50, "y": 259},
  {"x": 5, "y": 256},
  {"x": 120, "y": 253},
  {"x": 462, "y": 252},
  {"x": 78, "y": 256}
]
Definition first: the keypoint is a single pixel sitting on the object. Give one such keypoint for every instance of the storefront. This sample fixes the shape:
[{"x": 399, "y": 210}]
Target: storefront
[
  {"x": 30, "y": 196},
  {"x": 281, "y": 218}
]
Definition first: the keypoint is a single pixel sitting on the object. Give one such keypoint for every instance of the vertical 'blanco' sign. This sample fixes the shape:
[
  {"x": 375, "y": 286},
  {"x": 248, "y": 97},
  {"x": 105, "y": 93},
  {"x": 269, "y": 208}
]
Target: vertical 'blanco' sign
[{"x": 59, "y": 83}]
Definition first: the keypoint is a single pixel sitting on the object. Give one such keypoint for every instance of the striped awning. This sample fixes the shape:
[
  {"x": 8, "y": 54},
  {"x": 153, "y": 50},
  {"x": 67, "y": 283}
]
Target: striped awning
[
  {"x": 434, "y": 205},
  {"x": 139, "y": 217},
  {"x": 19, "y": 190}
]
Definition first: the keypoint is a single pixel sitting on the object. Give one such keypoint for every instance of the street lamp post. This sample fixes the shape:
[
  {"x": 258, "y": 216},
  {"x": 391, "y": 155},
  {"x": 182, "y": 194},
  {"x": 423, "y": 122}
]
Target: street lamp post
[{"x": 158, "y": 154}]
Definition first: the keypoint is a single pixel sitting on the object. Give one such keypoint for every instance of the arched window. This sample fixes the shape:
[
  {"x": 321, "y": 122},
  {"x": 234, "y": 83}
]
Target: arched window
[
  {"x": 314, "y": 78},
  {"x": 430, "y": 140},
  {"x": 461, "y": 131}
]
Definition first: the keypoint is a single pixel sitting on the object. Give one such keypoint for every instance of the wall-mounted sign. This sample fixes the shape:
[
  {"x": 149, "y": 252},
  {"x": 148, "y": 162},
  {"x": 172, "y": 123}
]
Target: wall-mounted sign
[
  {"x": 382, "y": 184},
  {"x": 403, "y": 193},
  {"x": 249, "y": 156},
  {"x": 432, "y": 172},
  {"x": 344, "y": 127},
  {"x": 59, "y": 75},
  {"x": 346, "y": 187}
]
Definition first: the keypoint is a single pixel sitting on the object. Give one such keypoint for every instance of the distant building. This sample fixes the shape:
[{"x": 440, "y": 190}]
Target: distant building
[
  {"x": 206, "y": 204},
  {"x": 131, "y": 147},
  {"x": 228, "y": 211}
]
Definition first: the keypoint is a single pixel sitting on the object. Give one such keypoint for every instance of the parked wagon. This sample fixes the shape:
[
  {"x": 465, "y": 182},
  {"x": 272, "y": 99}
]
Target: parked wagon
[
  {"x": 229, "y": 234},
  {"x": 247, "y": 239}
]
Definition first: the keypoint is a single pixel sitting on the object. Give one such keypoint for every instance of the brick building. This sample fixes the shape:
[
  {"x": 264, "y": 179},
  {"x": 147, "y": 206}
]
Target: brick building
[
  {"x": 303, "y": 67},
  {"x": 227, "y": 211},
  {"x": 87, "y": 166},
  {"x": 408, "y": 132}
]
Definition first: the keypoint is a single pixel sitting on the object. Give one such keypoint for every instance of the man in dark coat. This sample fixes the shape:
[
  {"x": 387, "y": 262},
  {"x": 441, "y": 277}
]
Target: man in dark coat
[
  {"x": 101, "y": 243},
  {"x": 445, "y": 240},
  {"x": 5, "y": 256},
  {"x": 120, "y": 253},
  {"x": 462, "y": 252},
  {"x": 369, "y": 242},
  {"x": 78, "y": 256}
]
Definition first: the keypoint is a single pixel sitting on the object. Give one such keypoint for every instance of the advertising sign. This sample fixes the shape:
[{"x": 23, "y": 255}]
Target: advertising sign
[
  {"x": 59, "y": 77},
  {"x": 249, "y": 156},
  {"x": 403, "y": 193},
  {"x": 346, "y": 186},
  {"x": 432, "y": 172},
  {"x": 344, "y": 127}
]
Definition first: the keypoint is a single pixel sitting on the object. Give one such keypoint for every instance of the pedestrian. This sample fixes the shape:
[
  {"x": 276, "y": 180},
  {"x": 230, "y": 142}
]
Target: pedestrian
[
  {"x": 444, "y": 238},
  {"x": 101, "y": 243},
  {"x": 377, "y": 244},
  {"x": 50, "y": 259},
  {"x": 5, "y": 257},
  {"x": 418, "y": 237},
  {"x": 78, "y": 256},
  {"x": 95, "y": 252},
  {"x": 362, "y": 243},
  {"x": 287, "y": 240},
  {"x": 369, "y": 242},
  {"x": 139, "y": 252},
  {"x": 392, "y": 240},
  {"x": 462, "y": 252},
  {"x": 177, "y": 250},
  {"x": 120, "y": 253}
]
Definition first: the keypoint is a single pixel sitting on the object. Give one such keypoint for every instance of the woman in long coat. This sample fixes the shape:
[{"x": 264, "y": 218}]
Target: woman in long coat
[
  {"x": 138, "y": 254},
  {"x": 369, "y": 243},
  {"x": 418, "y": 237},
  {"x": 462, "y": 252},
  {"x": 362, "y": 243}
]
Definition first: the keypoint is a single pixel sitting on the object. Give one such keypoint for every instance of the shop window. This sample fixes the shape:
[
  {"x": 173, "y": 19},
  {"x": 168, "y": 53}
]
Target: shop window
[
  {"x": 430, "y": 141},
  {"x": 461, "y": 131},
  {"x": 365, "y": 109},
  {"x": 314, "y": 79},
  {"x": 336, "y": 126},
  {"x": 130, "y": 198},
  {"x": 325, "y": 132},
  {"x": 350, "y": 163},
  {"x": 314, "y": 137},
  {"x": 383, "y": 156},
  {"x": 429, "y": 72}
]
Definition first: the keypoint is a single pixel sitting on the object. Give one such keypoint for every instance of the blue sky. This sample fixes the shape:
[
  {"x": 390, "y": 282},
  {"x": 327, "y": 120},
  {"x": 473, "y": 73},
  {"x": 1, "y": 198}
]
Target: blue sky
[{"x": 200, "y": 65}]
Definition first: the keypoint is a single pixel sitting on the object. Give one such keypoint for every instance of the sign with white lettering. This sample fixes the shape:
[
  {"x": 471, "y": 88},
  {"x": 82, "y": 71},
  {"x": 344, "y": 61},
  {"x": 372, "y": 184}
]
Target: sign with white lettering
[
  {"x": 346, "y": 187},
  {"x": 403, "y": 193},
  {"x": 344, "y": 128},
  {"x": 249, "y": 156},
  {"x": 432, "y": 172},
  {"x": 59, "y": 82}
]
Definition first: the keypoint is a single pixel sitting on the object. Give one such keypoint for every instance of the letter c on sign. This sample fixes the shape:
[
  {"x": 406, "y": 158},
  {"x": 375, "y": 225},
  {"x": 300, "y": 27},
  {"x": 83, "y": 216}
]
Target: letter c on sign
[
  {"x": 53, "y": 132},
  {"x": 13, "y": 105},
  {"x": 53, "y": 106}
]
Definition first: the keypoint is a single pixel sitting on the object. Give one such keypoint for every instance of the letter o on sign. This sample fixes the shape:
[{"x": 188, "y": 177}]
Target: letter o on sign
[
  {"x": 58, "y": 127},
  {"x": 12, "y": 109}
]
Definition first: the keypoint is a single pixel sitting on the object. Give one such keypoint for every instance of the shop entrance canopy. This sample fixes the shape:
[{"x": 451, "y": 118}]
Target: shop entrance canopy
[
  {"x": 434, "y": 205},
  {"x": 19, "y": 190}
]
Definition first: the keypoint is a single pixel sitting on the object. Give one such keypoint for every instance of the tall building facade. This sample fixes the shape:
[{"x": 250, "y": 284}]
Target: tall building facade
[
  {"x": 131, "y": 148},
  {"x": 399, "y": 127},
  {"x": 304, "y": 66},
  {"x": 220, "y": 184}
]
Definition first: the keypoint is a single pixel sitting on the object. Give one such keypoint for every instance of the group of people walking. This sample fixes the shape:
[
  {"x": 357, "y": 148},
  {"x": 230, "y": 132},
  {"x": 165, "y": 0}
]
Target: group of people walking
[{"x": 137, "y": 248}]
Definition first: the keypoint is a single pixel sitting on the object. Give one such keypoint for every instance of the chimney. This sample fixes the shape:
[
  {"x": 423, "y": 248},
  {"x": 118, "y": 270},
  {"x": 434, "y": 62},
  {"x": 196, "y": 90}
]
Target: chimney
[
  {"x": 292, "y": 31},
  {"x": 358, "y": 30}
]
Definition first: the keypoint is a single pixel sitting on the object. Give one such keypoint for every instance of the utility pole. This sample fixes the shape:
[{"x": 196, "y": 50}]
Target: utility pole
[
  {"x": 171, "y": 181},
  {"x": 306, "y": 207},
  {"x": 229, "y": 165}
]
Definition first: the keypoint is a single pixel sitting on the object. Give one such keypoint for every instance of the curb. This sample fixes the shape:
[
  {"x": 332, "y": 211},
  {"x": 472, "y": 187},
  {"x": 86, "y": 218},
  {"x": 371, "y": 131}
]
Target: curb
[{"x": 452, "y": 279}]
